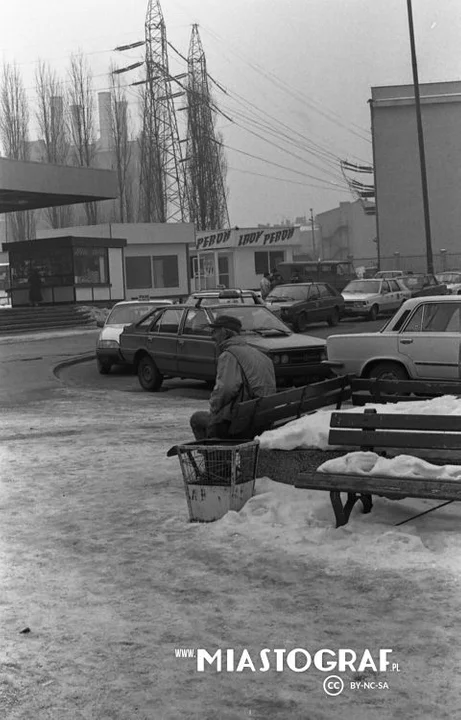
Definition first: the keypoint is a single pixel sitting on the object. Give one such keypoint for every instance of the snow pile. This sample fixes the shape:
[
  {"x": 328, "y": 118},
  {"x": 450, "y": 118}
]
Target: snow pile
[
  {"x": 311, "y": 431},
  {"x": 300, "y": 523},
  {"x": 369, "y": 463}
]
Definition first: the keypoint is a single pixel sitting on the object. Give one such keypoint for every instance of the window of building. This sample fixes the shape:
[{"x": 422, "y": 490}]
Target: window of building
[
  {"x": 55, "y": 267},
  {"x": 267, "y": 260},
  {"x": 166, "y": 273},
  {"x": 223, "y": 269},
  {"x": 138, "y": 272},
  {"x": 91, "y": 265}
]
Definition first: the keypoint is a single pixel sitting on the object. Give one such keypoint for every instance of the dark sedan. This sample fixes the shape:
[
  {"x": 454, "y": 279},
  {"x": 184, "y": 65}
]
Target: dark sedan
[
  {"x": 302, "y": 303},
  {"x": 176, "y": 342},
  {"x": 421, "y": 285}
]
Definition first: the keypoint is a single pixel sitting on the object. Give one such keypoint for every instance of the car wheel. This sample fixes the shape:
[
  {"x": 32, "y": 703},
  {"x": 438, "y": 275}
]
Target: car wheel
[
  {"x": 334, "y": 317},
  {"x": 148, "y": 375},
  {"x": 388, "y": 371},
  {"x": 300, "y": 323},
  {"x": 373, "y": 314},
  {"x": 104, "y": 367}
]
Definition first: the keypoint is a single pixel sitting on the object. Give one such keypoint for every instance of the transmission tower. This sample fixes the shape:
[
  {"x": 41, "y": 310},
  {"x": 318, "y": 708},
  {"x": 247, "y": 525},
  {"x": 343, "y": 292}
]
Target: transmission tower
[
  {"x": 205, "y": 162},
  {"x": 162, "y": 182}
]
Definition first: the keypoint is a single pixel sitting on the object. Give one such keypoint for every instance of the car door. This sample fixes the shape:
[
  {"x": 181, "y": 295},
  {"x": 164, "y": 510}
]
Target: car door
[
  {"x": 397, "y": 295},
  {"x": 326, "y": 302},
  {"x": 196, "y": 349},
  {"x": 312, "y": 304},
  {"x": 161, "y": 340},
  {"x": 431, "y": 340},
  {"x": 385, "y": 300}
]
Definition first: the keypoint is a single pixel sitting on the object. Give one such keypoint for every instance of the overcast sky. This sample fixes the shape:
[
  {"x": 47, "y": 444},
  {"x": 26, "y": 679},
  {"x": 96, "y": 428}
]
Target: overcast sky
[{"x": 297, "y": 73}]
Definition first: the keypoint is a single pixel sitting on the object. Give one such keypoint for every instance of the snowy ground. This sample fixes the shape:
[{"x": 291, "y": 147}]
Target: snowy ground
[{"x": 99, "y": 560}]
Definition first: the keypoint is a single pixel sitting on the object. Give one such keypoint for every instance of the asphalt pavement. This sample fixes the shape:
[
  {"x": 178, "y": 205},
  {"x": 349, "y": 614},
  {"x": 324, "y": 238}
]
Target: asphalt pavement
[{"x": 27, "y": 362}]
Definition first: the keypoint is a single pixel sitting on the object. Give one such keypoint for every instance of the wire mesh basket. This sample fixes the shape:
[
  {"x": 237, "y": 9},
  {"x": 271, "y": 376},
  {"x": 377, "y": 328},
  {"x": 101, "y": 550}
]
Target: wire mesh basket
[{"x": 228, "y": 463}]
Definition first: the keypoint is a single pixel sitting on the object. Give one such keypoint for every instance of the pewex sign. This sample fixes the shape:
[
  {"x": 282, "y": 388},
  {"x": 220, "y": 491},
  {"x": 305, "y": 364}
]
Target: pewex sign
[{"x": 247, "y": 237}]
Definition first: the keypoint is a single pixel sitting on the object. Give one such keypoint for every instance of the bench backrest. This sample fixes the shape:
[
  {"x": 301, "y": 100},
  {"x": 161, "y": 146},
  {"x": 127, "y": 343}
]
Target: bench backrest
[
  {"x": 366, "y": 390},
  {"x": 371, "y": 429},
  {"x": 255, "y": 416}
]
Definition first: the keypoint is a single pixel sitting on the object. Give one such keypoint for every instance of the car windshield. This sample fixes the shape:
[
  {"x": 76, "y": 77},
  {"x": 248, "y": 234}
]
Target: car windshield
[
  {"x": 256, "y": 318},
  {"x": 363, "y": 286},
  {"x": 449, "y": 277},
  {"x": 287, "y": 292},
  {"x": 413, "y": 281},
  {"x": 127, "y": 314}
]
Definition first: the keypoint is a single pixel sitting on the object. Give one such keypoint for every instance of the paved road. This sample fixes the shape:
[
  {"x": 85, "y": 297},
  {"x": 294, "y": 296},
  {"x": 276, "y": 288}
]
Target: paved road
[
  {"x": 27, "y": 361},
  {"x": 85, "y": 375}
]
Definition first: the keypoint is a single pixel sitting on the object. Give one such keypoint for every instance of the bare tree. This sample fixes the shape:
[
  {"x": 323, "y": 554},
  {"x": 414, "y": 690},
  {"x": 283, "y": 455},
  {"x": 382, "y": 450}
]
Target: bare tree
[
  {"x": 121, "y": 146},
  {"x": 14, "y": 133},
  {"x": 82, "y": 120},
  {"x": 54, "y": 133}
]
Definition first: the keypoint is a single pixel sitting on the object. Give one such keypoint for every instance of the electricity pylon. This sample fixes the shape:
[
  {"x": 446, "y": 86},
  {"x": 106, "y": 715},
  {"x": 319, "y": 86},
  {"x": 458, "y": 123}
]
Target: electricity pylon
[
  {"x": 163, "y": 195},
  {"x": 205, "y": 162}
]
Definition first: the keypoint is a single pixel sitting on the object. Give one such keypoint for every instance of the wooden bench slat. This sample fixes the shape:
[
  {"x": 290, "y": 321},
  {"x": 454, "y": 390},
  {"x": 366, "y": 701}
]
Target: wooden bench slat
[
  {"x": 255, "y": 416},
  {"x": 389, "y": 438},
  {"x": 443, "y": 489},
  {"x": 386, "y": 421}
]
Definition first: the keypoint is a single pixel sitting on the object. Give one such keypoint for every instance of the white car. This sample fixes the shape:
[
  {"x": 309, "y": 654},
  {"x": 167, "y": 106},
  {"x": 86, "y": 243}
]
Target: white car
[
  {"x": 452, "y": 279},
  {"x": 122, "y": 314},
  {"x": 386, "y": 274},
  {"x": 420, "y": 342},
  {"x": 373, "y": 297}
]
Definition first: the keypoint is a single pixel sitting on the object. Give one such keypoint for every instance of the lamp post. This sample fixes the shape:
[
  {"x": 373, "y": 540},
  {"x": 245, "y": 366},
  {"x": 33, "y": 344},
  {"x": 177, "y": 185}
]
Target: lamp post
[
  {"x": 313, "y": 235},
  {"x": 422, "y": 157}
]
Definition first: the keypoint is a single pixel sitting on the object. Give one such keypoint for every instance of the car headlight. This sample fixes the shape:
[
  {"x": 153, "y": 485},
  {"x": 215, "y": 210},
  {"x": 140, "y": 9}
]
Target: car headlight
[
  {"x": 108, "y": 344},
  {"x": 276, "y": 359},
  {"x": 323, "y": 355},
  {"x": 285, "y": 359}
]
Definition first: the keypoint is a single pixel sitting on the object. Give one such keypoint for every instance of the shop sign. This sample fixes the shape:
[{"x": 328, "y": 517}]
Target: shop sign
[{"x": 250, "y": 237}]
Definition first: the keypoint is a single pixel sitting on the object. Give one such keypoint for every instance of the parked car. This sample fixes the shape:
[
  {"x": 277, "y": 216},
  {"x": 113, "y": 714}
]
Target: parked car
[
  {"x": 421, "y": 284},
  {"x": 421, "y": 341},
  {"x": 386, "y": 274},
  {"x": 223, "y": 297},
  {"x": 177, "y": 342},
  {"x": 373, "y": 297},
  {"x": 303, "y": 303},
  {"x": 452, "y": 279},
  {"x": 122, "y": 314}
]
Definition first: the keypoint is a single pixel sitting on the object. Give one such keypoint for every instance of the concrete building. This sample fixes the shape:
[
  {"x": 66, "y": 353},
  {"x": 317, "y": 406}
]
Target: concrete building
[
  {"x": 400, "y": 217},
  {"x": 347, "y": 232},
  {"x": 239, "y": 257},
  {"x": 153, "y": 260}
]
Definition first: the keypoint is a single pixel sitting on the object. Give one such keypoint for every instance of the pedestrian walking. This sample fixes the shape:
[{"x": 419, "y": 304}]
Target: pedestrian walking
[{"x": 265, "y": 285}]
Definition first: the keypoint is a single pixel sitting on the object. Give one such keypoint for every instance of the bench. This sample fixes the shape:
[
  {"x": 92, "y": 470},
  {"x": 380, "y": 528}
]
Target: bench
[
  {"x": 380, "y": 432},
  {"x": 372, "y": 390},
  {"x": 256, "y": 416}
]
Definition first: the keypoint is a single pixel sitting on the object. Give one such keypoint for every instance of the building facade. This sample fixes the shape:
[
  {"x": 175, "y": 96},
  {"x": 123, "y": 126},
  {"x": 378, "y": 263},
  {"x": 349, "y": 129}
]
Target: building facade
[
  {"x": 155, "y": 258},
  {"x": 400, "y": 216},
  {"x": 240, "y": 257},
  {"x": 348, "y": 232}
]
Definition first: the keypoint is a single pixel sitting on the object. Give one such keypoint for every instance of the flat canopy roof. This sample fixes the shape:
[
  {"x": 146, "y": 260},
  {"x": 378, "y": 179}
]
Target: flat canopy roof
[{"x": 32, "y": 185}]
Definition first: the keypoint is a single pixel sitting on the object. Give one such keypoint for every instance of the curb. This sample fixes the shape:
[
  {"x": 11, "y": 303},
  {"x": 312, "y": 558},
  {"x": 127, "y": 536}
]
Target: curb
[{"x": 73, "y": 361}]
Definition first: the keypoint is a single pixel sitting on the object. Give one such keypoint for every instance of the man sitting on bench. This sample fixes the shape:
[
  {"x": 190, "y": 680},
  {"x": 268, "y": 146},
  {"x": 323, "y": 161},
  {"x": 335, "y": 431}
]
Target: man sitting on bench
[{"x": 243, "y": 373}]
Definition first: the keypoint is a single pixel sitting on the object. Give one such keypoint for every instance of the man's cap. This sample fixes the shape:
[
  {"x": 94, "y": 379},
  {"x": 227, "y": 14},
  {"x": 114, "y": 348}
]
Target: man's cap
[{"x": 227, "y": 321}]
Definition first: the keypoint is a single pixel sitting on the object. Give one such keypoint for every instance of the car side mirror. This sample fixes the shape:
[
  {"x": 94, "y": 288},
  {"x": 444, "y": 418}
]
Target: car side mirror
[{"x": 99, "y": 323}]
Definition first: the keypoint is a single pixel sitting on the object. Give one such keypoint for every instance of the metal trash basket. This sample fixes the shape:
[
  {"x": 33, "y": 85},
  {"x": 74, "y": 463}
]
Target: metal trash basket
[{"x": 217, "y": 477}]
